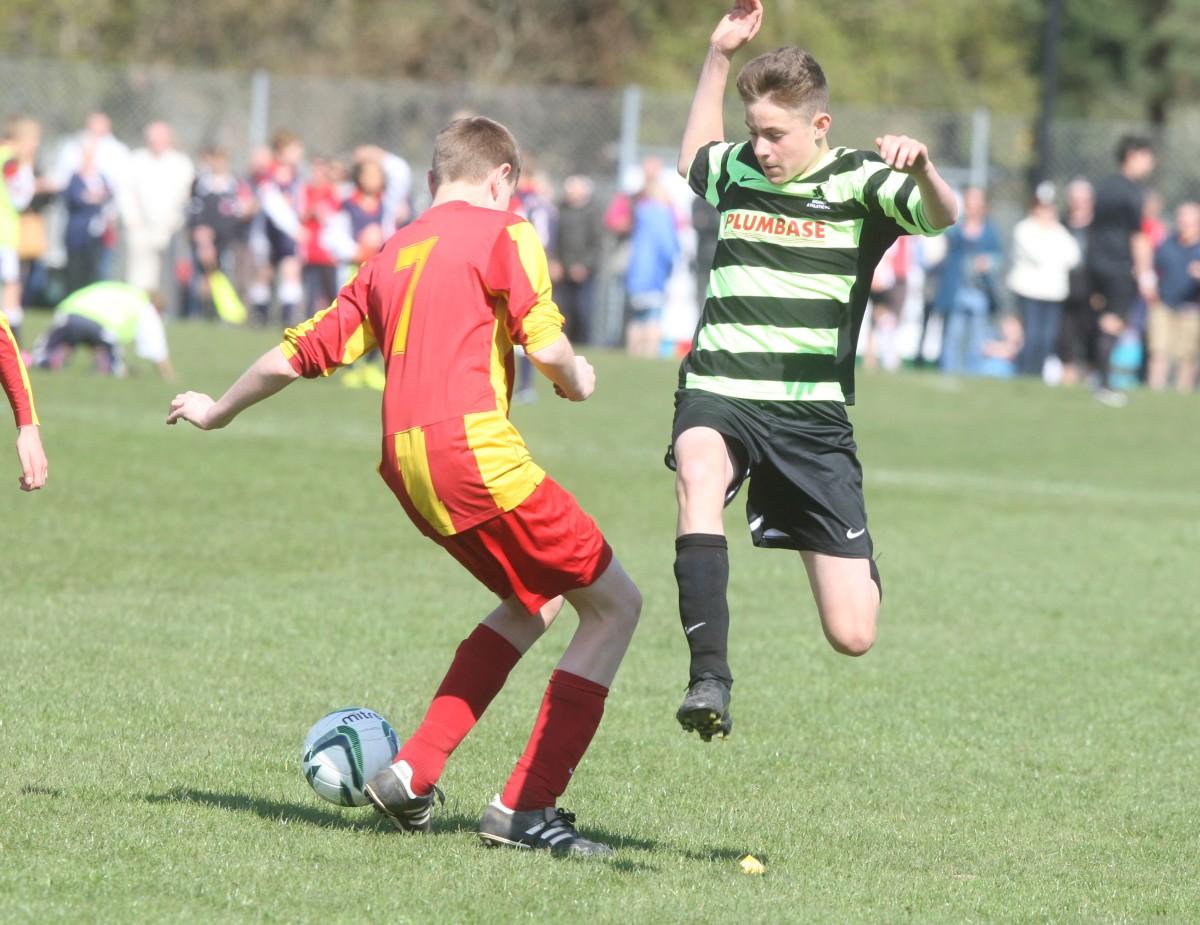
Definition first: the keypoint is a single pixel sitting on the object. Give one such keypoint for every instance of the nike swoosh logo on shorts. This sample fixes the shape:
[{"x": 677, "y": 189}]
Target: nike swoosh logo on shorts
[
  {"x": 855, "y": 534},
  {"x": 688, "y": 631}
]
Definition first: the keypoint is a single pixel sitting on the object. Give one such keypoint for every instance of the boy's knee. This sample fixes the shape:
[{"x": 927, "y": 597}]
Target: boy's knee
[
  {"x": 626, "y": 608},
  {"x": 852, "y": 633},
  {"x": 630, "y": 606},
  {"x": 617, "y": 607},
  {"x": 853, "y": 643},
  {"x": 695, "y": 475}
]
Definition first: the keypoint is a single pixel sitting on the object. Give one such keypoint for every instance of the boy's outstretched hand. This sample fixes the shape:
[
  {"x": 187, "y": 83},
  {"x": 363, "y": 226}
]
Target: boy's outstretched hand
[
  {"x": 32, "y": 458},
  {"x": 193, "y": 407},
  {"x": 738, "y": 26},
  {"x": 902, "y": 153}
]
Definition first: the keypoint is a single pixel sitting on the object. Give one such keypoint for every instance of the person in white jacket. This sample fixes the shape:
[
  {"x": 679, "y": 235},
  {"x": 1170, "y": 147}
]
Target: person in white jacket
[
  {"x": 153, "y": 204},
  {"x": 1043, "y": 253}
]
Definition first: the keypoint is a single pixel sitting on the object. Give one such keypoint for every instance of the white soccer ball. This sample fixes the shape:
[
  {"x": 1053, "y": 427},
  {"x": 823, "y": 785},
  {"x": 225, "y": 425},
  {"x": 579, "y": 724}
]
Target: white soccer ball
[{"x": 344, "y": 750}]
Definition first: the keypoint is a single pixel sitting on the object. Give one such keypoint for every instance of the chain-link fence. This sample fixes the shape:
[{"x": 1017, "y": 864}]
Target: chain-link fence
[{"x": 564, "y": 129}]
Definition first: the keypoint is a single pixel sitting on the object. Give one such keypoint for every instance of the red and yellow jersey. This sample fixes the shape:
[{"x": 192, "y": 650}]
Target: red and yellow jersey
[
  {"x": 445, "y": 300},
  {"x": 14, "y": 378}
]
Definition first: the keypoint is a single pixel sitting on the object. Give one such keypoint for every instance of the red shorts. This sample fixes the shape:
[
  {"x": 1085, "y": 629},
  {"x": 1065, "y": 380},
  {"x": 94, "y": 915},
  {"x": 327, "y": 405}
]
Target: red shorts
[{"x": 545, "y": 546}]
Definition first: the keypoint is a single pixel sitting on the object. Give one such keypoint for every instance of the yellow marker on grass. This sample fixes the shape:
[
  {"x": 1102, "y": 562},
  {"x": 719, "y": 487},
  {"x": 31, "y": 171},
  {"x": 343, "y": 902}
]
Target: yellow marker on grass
[{"x": 225, "y": 299}]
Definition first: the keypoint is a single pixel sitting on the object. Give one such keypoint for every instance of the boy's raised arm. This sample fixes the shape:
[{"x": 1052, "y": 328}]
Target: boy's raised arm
[{"x": 706, "y": 121}]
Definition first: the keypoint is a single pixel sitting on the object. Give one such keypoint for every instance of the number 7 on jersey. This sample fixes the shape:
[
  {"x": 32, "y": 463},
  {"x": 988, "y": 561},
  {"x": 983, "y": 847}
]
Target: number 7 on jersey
[{"x": 412, "y": 258}]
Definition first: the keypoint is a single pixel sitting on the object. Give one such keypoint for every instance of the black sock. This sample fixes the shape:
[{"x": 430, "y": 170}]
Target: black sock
[
  {"x": 1104, "y": 350},
  {"x": 702, "y": 572}
]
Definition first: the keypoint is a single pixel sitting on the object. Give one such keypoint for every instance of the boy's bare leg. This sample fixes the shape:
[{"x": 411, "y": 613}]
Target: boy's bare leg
[
  {"x": 608, "y": 611},
  {"x": 703, "y": 473},
  {"x": 847, "y": 600},
  {"x": 520, "y": 628}
]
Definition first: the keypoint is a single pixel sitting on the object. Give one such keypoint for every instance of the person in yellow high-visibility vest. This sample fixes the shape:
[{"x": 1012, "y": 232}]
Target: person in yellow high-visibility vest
[{"x": 107, "y": 317}]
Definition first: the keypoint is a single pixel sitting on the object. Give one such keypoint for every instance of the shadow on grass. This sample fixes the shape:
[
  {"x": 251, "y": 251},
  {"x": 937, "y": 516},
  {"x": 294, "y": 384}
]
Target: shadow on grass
[
  {"x": 35, "y": 790},
  {"x": 274, "y": 810},
  {"x": 721, "y": 854},
  {"x": 444, "y": 822},
  {"x": 457, "y": 822}
]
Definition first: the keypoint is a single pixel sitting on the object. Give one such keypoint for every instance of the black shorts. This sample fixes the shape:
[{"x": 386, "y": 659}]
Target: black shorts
[
  {"x": 1114, "y": 289},
  {"x": 281, "y": 245},
  {"x": 805, "y": 479}
]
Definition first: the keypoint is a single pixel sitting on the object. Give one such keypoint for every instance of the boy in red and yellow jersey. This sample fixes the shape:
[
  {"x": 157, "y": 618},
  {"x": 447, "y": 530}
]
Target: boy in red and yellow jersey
[
  {"x": 446, "y": 299},
  {"x": 15, "y": 381}
]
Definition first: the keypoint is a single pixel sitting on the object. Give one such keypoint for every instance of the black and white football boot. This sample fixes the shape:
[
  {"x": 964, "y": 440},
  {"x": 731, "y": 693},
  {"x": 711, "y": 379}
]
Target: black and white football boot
[
  {"x": 390, "y": 792},
  {"x": 547, "y": 829}
]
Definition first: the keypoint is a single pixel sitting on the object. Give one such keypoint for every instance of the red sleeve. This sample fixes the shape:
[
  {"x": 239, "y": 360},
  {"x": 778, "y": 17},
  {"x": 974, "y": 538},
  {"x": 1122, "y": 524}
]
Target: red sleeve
[
  {"x": 518, "y": 269},
  {"x": 335, "y": 336},
  {"x": 14, "y": 378}
]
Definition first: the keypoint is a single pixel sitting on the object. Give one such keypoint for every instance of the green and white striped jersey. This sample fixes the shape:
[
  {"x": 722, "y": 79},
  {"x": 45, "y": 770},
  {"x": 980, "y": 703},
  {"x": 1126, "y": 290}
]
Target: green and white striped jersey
[{"x": 792, "y": 271}]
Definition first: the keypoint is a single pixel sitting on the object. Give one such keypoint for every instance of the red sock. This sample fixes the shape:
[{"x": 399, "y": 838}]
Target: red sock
[
  {"x": 480, "y": 668},
  {"x": 570, "y": 713}
]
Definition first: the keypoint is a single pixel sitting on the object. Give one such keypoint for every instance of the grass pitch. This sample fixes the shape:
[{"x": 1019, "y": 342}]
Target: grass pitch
[{"x": 1021, "y": 745}]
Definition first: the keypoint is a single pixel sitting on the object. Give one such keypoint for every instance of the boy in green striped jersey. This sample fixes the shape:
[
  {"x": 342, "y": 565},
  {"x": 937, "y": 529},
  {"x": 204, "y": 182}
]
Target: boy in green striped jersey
[{"x": 762, "y": 394}]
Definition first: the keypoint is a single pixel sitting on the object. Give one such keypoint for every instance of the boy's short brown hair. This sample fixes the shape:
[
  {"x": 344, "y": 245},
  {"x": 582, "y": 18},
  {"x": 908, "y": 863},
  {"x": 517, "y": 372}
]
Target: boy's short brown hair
[
  {"x": 469, "y": 149},
  {"x": 789, "y": 76}
]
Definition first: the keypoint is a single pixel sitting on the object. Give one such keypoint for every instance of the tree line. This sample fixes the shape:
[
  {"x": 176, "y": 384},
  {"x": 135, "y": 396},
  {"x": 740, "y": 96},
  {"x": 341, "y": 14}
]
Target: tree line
[{"x": 1135, "y": 59}]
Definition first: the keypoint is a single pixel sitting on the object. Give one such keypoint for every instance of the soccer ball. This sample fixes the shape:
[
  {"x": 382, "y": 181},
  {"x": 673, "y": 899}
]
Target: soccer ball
[{"x": 344, "y": 750}]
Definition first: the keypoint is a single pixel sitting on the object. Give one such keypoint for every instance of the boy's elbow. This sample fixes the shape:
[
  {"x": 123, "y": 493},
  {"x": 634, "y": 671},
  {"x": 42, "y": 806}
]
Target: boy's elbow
[
  {"x": 276, "y": 363},
  {"x": 684, "y": 164},
  {"x": 950, "y": 219}
]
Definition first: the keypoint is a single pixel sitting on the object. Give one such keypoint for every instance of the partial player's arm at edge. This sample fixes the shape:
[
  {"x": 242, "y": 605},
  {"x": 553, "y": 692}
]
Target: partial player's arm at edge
[
  {"x": 269, "y": 374},
  {"x": 15, "y": 381}
]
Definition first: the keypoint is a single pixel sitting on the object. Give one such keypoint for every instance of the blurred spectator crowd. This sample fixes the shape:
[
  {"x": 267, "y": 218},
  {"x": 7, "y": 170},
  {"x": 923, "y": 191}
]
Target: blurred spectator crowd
[{"x": 1091, "y": 285}]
